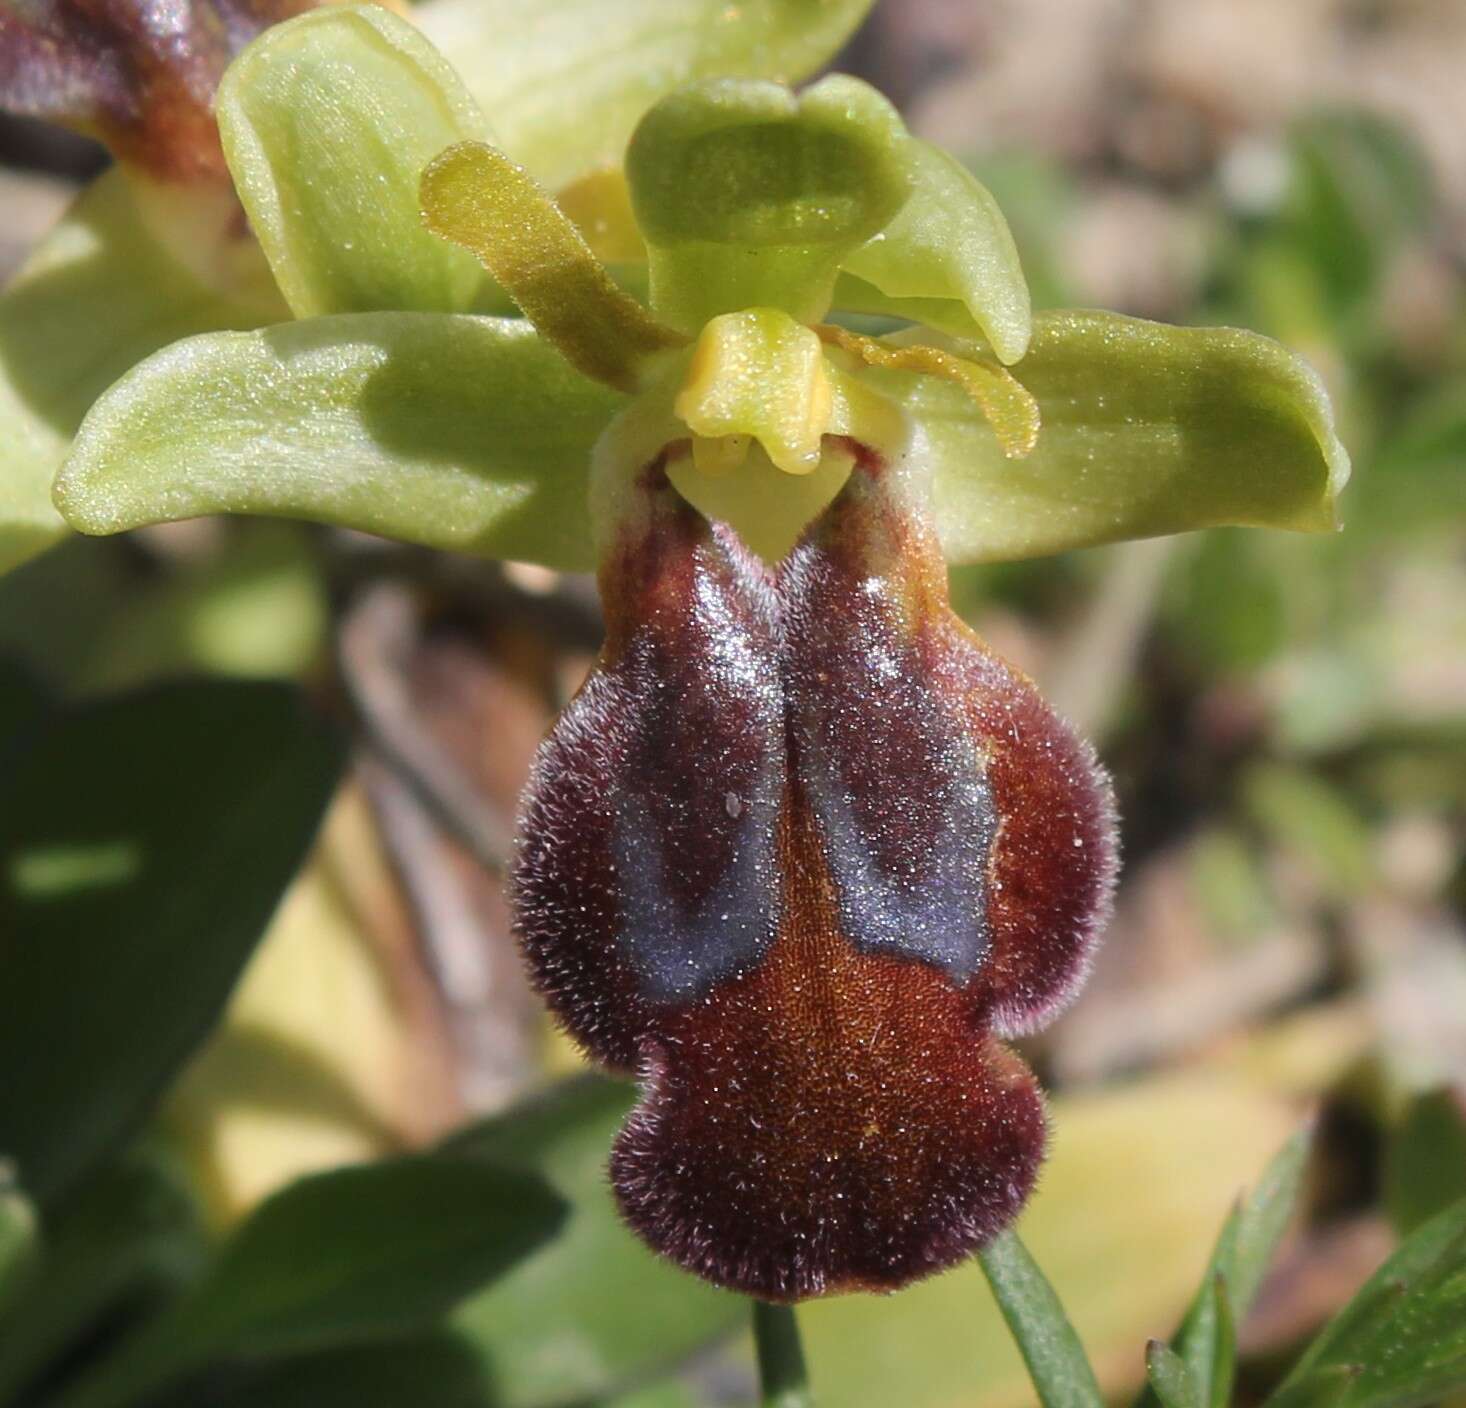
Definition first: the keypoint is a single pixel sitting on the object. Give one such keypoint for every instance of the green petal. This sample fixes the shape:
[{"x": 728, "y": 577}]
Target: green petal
[
  {"x": 98, "y": 295},
  {"x": 444, "y": 429},
  {"x": 750, "y": 197},
  {"x": 473, "y": 195},
  {"x": 1147, "y": 429},
  {"x": 327, "y": 122},
  {"x": 950, "y": 241},
  {"x": 567, "y": 83}
]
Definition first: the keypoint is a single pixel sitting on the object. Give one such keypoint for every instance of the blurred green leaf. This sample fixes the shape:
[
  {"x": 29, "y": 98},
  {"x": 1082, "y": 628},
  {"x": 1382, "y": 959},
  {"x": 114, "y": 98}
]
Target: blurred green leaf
[
  {"x": 1207, "y": 1338},
  {"x": 1170, "y": 1379},
  {"x": 1228, "y": 603},
  {"x": 1305, "y": 816},
  {"x": 449, "y": 430},
  {"x": 144, "y": 844},
  {"x": 1056, "y": 1361},
  {"x": 1147, "y": 429},
  {"x": 1360, "y": 182},
  {"x": 340, "y": 1257},
  {"x": 950, "y": 244},
  {"x": 328, "y": 121},
  {"x": 564, "y": 89},
  {"x": 119, "y": 1246},
  {"x": 59, "y": 351},
  {"x": 1401, "y": 1342},
  {"x": 749, "y": 196},
  {"x": 18, "y": 1240},
  {"x": 1425, "y": 1161},
  {"x": 594, "y": 1310}
]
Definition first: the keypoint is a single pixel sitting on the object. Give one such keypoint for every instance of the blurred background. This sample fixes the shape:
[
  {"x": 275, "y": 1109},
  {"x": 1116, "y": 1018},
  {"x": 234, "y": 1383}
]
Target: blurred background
[{"x": 1285, "y": 717}]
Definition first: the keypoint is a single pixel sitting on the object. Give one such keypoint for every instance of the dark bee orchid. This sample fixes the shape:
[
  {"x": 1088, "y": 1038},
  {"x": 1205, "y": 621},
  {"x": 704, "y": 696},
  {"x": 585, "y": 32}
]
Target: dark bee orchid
[{"x": 803, "y": 851}]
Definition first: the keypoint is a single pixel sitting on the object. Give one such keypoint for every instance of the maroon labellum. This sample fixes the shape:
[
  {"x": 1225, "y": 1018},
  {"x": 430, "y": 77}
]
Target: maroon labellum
[
  {"x": 139, "y": 75},
  {"x": 798, "y": 854}
]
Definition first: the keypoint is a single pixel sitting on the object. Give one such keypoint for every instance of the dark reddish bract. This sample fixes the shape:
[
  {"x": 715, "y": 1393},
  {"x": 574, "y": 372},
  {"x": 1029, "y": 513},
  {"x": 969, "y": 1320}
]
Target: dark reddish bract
[
  {"x": 138, "y": 74},
  {"x": 798, "y": 854}
]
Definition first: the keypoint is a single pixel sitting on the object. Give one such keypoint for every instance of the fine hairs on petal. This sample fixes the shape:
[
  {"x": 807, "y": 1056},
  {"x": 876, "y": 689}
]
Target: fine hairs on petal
[{"x": 801, "y": 851}]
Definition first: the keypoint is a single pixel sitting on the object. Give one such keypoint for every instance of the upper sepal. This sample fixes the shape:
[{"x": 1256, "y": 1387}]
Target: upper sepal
[{"x": 749, "y": 196}]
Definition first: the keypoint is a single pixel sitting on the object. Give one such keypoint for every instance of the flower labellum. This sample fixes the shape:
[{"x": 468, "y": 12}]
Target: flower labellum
[{"x": 800, "y": 852}]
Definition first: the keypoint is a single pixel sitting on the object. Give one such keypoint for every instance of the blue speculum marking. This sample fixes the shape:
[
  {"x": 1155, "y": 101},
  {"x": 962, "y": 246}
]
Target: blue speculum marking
[{"x": 931, "y": 904}]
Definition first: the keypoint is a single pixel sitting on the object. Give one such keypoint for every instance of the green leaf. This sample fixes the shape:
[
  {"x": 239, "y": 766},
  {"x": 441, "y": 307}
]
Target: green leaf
[
  {"x": 1401, "y": 1342},
  {"x": 783, "y": 1378},
  {"x": 551, "y": 1332},
  {"x": 1147, "y": 430},
  {"x": 18, "y": 1240},
  {"x": 337, "y": 1258},
  {"x": 566, "y": 84},
  {"x": 1425, "y": 1161},
  {"x": 448, "y": 430},
  {"x": 327, "y": 121},
  {"x": 749, "y": 196},
  {"x": 1207, "y": 1338},
  {"x": 144, "y": 844},
  {"x": 1169, "y": 1377},
  {"x": 97, "y": 296},
  {"x": 950, "y": 242},
  {"x": 1056, "y": 1361},
  {"x": 122, "y": 1243}
]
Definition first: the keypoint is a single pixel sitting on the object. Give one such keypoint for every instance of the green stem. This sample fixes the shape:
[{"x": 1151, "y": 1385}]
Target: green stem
[{"x": 781, "y": 1373}]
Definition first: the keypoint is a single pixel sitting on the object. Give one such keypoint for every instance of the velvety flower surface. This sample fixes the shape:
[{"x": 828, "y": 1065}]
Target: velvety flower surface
[{"x": 802, "y": 852}]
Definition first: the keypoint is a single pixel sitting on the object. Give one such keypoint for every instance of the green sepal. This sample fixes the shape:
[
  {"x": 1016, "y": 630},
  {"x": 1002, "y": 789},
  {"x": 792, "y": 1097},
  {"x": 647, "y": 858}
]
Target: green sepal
[
  {"x": 1147, "y": 429},
  {"x": 327, "y": 122},
  {"x": 951, "y": 243},
  {"x": 449, "y": 430},
  {"x": 749, "y": 196},
  {"x": 566, "y": 87},
  {"x": 98, "y": 295}
]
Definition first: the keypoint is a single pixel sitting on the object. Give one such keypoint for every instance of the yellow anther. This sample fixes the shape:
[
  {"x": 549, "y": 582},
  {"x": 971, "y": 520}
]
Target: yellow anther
[{"x": 1008, "y": 406}]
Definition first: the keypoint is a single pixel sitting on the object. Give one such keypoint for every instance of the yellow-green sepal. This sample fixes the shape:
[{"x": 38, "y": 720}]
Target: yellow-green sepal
[
  {"x": 327, "y": 122},
  {"x": 749, "y": 196},
  {"x": 1147, "y": 429},
  {"x": 449, "y": 430}
]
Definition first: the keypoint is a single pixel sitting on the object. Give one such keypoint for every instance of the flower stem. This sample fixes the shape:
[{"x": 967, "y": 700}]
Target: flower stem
[{"x": 782, "y": 1377}]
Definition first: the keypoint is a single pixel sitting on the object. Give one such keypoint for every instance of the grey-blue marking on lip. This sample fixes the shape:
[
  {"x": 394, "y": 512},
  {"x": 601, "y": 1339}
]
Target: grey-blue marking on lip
[
  {"x": 933, "y": 907},
  {"x": 679, "y": 952}
]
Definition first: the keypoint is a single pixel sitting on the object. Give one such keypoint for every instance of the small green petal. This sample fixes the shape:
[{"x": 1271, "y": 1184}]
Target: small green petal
[
  {"x": 950, "y": 241},
  {"x": 444, "y": 429},
  {"x": 98, "y": 295},
  {"x": 751, "y": 197},
  {"x": 1147, "y": 429},
  {"x": 327, "y": 122},
  {"x": 473, "y": 195},
  {"x": 566, "y": 83}
]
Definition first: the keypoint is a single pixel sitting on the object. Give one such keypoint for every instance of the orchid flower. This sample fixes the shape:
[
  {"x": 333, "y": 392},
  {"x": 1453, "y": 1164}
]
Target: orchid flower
[{"x": 803, "y": 852}]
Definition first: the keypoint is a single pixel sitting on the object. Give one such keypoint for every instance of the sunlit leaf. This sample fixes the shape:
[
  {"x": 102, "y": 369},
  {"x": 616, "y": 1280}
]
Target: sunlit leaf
[
  {"x": 337, "y": 1258},
  {"x": 565, "y": 84},
  {"x": 97, "y": 296},
  {"x": 328, "y": 121},
  {"x": 449, "y": 430},
  {"x": 749, "y": 196},
  {"x": 1147, "y": 429},
  {"x": 950, "y": 242},
  {"x": 1056, "y": 1362},
  {"x": 124, "y": 922},
  {"x": 551, "y": 1332},
  {"x": 1401, "y": 1342}
]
